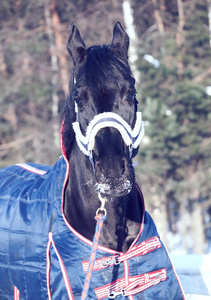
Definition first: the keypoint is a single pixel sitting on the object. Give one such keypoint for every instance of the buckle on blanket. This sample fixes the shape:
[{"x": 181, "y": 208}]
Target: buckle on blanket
[
  {"x": 157, "y": 279},
  {"x": 113, "y": 294},
  {"x": 151, "y": 245},
  {"x": 110, "y": 261}
]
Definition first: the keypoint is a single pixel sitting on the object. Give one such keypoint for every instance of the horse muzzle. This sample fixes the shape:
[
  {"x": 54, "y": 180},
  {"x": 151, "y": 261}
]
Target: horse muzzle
[
  {"x": 113, "y": 176},
  {"x": 107, "y": 191}
]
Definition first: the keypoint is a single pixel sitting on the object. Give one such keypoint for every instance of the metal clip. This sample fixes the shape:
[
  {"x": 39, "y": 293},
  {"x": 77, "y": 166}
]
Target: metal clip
[
  {"x": 105, "y": 263},
  {"x": 113, "y": 294},
  {"x": 102, "y": 207},
  {"x": 110, "y": 261},
  {"x": 152, "y": 246},
  {"x": 115, "y": 259},
  {"x": 157, "y": 279}
]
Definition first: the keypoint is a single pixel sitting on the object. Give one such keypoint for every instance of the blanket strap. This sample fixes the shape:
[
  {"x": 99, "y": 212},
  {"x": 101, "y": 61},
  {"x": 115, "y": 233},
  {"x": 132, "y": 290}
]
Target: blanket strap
[{"x": 137, "y": 284}]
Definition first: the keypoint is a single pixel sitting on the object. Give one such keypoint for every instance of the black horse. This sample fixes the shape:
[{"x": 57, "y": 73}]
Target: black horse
[
  {"x": 102, "y": 82},
  {"x": 47, "y": 214}
]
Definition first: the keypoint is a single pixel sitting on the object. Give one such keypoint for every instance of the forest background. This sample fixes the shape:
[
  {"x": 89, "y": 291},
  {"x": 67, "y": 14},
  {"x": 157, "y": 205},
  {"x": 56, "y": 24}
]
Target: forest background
[{"x": 171, "y": 59}]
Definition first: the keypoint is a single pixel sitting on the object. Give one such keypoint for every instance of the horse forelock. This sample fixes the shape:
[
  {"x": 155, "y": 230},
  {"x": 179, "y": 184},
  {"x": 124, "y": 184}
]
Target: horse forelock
[{"x": 102, "y": 64}]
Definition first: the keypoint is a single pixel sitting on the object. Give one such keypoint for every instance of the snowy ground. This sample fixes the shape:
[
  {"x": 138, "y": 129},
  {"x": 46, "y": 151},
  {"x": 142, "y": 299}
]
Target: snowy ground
[{"x": 194, "y": 272}]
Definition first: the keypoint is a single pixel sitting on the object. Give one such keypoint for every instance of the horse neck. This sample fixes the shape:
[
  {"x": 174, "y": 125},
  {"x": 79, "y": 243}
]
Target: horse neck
[
  {"x": 81, "y": 199},
  {"x": 81, "y": 202}
]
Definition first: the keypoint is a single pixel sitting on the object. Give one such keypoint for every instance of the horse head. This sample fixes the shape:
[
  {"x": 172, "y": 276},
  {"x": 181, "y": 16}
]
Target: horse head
[{"x": 107, "y": 126}]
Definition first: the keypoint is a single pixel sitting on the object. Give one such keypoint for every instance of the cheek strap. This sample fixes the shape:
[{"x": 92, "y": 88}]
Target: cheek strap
[{"x": 131, "y": 137}]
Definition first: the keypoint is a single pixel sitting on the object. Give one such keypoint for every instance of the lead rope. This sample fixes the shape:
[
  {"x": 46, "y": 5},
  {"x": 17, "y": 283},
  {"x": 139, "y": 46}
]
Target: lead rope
[{"x": 100, "y": 218}]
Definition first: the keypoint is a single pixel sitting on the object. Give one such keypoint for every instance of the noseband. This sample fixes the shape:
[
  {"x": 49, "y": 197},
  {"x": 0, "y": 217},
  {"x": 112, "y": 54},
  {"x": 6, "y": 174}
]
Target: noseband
[{"x": 131, "y": 137}]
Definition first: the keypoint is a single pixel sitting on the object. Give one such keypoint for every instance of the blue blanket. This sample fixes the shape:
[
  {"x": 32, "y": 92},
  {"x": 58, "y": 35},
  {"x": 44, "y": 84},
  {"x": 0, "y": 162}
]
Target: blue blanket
[{"x": 43, "y": 257}]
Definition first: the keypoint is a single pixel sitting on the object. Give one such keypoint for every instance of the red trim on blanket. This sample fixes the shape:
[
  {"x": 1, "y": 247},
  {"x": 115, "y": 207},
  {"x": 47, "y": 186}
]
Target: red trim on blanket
[
  {"x": 62, "y": 267},
  {"x": 48, "y": 268},
  {"x": 31, "y": 169},
  {"x": 135, "y": 285},
  {"x": 16, "y": 293},
  {"x": 141, "y": 249}
]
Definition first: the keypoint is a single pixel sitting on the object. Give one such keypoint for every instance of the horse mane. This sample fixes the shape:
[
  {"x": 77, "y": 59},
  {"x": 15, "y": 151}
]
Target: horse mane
[
  {"x": 67, "y": 117},
  {"x": 101, "y": 64}
]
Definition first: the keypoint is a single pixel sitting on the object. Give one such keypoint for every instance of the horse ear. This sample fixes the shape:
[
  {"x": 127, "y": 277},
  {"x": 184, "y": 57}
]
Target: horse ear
[
  {"x": 120, "y": 42},
  {"x": 75, "y": 45}
]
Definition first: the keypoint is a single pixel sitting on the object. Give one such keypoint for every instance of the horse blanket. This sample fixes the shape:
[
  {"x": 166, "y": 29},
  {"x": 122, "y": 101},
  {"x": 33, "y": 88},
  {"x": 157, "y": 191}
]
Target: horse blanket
[{"x": 43, "y": 257}]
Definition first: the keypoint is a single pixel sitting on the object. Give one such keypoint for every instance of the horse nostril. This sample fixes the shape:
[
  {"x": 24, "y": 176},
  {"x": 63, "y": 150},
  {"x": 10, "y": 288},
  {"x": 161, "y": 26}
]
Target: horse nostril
[{"x": 123, "y": 167}]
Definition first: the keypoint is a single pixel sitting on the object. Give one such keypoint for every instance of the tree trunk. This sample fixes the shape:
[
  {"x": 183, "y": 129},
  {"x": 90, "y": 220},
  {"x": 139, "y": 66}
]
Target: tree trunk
[
  {"x": 209, "y": 17},
  {"x": 60, "y": 47},
  {"x": 160, "y": 212},
  {"x": 158, "y": 18},
  {"x": 180, "y": 40},
  {"x": 184, "y": 225},
  {"x": 161, "y": 27},
  {"x": 159, "y": 216},
  {"x": 3, "y": 66},
  {"x": 54, "y": 66},
  {"x": 130, "y": 28},
  {"x": 197, "y": 229},
  {"x": 194, "y": 194}
]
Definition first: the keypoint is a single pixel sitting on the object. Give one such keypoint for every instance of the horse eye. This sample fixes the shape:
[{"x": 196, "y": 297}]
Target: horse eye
[
  {"x": 131, "y": 99},
  {"x": 80, "y": 104}
]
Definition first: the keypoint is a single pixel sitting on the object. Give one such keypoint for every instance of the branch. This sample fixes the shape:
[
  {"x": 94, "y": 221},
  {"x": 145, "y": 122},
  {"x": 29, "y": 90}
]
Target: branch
[
  {"x": 180, "y": 36},
  {"x": 158, "y": 18},
  {"x": 201, "y": 76},
  {"x": 17, "y": 142}
]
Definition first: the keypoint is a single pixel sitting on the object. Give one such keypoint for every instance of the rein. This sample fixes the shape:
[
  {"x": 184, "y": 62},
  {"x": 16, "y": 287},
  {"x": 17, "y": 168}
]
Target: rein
[{"x": 100, "y": 218}]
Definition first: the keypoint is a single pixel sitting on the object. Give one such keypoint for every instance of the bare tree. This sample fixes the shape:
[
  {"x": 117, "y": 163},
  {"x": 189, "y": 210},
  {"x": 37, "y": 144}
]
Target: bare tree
[
  {"x": 209, "y": 17},
  {"x": 180, "y": 39},
  {"x": 60, "y": 46},
  {"x": 130, "y": 28},
  {"x": 158, "y": 17},
  {"x": 55, "y": 68}
]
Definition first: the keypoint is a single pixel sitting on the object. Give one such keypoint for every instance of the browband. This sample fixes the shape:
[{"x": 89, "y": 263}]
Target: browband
[{"x": 131, "y": 137}]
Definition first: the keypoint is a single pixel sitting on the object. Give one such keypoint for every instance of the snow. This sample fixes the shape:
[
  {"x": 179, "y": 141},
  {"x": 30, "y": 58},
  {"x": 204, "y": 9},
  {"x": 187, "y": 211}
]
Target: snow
[
  {"x": 152, "y": 60},
  {"x": 194, "y": 272},
  {"x": 197, "y": 297},
  {"x": 208, "y": 90}
]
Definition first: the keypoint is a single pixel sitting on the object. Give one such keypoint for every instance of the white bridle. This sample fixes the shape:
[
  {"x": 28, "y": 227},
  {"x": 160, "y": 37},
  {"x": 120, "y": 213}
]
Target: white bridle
[{"x": 131, "y": 137}]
